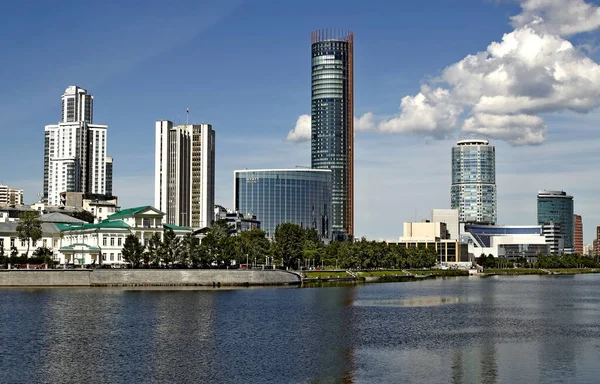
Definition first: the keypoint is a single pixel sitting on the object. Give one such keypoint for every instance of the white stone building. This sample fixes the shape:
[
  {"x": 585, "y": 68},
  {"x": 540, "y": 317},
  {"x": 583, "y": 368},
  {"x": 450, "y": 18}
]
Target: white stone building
[
  {"x": 101, "y": 209},
  {"x": 73, "y": 241},
  {"x": 51, "y": 238},
  {"x": 102, "y": 243}
]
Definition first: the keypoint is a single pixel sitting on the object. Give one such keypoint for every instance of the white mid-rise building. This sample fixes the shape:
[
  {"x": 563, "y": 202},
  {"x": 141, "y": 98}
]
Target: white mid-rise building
[
  {"x": 75, "y": 149},
  {"x": 10, "y": 196},
  {"x": 506, "y": 241},
  {"x": 185, "y": 173}
]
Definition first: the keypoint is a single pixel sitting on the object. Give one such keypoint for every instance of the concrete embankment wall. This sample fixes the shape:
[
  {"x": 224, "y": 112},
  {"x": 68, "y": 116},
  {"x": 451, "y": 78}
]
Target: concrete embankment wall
[{"x": 145, "y": 277}]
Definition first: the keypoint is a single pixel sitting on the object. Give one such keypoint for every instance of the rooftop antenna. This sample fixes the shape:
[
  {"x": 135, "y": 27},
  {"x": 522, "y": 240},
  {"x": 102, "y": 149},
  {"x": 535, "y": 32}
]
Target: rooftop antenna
[{"x": 187, "y": 119}]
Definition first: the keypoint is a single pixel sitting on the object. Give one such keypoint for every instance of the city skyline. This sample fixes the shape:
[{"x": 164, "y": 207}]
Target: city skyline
[{"x": 129, "y": 105}]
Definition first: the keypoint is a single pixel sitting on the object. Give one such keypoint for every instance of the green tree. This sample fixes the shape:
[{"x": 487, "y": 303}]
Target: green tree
[
  {"x": 210, "y": 250},
  {"x": 82, "y": 215},
  {"x": 253, "y": 244},
  {"x": 311, "y": 247},
  {"x": 44, "y": 254},
  {"x": 228, "y": 250},
  {"x": 189, "y": 247},
  {"x": 29, "y": 228},
  {"x": 14, "y": 252},
  {"x": 170, "y": 246},
  {"x": 133, "y": 250},
  {"x": 153, "y": 254},
  {"x": 287, "y": 245}
]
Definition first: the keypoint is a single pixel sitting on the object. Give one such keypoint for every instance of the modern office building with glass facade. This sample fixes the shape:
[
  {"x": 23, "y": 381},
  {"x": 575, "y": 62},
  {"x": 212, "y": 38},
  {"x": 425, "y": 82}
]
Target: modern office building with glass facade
[
  {"x": 276, "y": 196},
  {"x": 473, "y": 190},
  {"x": 557, "y": 206},
  {"x": 332, "y": 120}
]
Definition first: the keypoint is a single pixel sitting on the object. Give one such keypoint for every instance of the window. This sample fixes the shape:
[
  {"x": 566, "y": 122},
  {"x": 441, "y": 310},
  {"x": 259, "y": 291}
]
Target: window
[
  {"x": 119, "y": 257},
  {"x": 119, "y": 241},
  {"x": 112, "y": 257},
  {"x": 23, "y": 243},
  {"x": 104, "y": 240},
  {"x": 99, "y": 210},
  {"x": 112, "y": 241},
  {"x": 104, "y": 257}
]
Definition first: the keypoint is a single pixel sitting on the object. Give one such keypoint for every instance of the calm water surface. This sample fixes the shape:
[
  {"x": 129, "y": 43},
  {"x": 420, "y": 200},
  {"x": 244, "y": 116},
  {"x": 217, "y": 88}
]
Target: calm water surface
[{"x": 534, "y": 329}]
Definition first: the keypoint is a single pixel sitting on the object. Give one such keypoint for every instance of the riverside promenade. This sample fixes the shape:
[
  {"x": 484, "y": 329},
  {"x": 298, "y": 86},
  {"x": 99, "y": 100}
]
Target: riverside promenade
[{"x": 145, "y": 277}]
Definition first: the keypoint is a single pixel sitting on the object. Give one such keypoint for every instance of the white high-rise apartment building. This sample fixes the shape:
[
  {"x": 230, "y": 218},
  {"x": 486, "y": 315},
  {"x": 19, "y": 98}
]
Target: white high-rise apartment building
[
  {"x": 185, "y": 173},
  {"x": 75, "y": 149}
]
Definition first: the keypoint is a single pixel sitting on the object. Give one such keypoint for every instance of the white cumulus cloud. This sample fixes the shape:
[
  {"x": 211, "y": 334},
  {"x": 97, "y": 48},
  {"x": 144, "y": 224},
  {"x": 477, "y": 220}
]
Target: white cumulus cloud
[
  {"x": 430, "y": 111},
  {"x": 301, "y": 131},
  {"x": 559, "y": 17},
  {"x": 501, "y": 91},
  {"x": 515, "y": 129},
  {"x": 365, "y": 123}
]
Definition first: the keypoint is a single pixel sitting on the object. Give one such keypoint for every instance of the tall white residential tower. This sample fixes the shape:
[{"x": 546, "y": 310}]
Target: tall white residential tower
[
  {"x": 75, "y": 149},
  {"x": 185, "y": 173}
]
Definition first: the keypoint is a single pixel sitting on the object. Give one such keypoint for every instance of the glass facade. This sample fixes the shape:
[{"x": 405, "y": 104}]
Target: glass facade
[
  {"x": 557, "y": 206},
  {"x": 278, "y": 196},
  {"x": 332, "y": 124},
  {"x": 473, "y": 190}
]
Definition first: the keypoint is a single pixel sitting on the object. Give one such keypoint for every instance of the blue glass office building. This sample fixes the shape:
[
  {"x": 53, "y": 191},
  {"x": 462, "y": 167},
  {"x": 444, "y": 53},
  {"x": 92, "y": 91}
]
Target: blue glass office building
[
  {"x": 276, "y": 196},
  {"x": 332, "y": 120},
  {"x": 557, "y": 206},
  {"x": 473, "y": 190}
]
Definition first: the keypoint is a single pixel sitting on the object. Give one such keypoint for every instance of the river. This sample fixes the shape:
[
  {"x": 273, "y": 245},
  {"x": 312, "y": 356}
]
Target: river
[{"x": 534, "y": 329}]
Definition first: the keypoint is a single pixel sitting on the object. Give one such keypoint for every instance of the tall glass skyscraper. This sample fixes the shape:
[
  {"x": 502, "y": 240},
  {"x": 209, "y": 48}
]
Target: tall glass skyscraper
[
  {"x": 276, "y": 196},
  {"x": 473, "y": 190},
  {"x": 557, "y": 206},
  {"x": 332, "y": 113}
]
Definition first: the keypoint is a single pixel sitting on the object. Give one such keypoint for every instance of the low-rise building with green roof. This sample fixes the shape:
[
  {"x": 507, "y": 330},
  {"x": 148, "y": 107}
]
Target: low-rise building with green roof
[{"x": 102, "y": 243}]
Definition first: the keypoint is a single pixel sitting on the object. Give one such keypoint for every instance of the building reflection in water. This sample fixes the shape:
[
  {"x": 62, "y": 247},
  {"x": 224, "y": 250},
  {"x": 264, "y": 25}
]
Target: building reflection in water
[
  {"x": 98, "y": 335},
  {"x": 181, "y": 342}
]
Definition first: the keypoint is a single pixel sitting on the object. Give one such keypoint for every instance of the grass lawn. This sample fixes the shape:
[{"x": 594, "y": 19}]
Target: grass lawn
[
  {"x": 515, "y": 271},
  {"x": 573, "y": 270},
  {"x": 325, "y": 274},
  {"x": 381, "y": 273},
  {"x": 439, "y": 272}
]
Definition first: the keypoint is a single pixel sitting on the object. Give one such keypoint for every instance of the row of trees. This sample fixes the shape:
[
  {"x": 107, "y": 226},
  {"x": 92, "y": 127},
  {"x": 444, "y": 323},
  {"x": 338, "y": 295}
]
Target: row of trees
[
  {"x": 292, "y": 247},
  {"x": 542, "y": 261}
]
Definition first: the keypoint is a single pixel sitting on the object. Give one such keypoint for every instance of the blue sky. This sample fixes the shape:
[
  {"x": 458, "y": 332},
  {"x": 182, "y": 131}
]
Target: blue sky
[{"x": 244, "y": 67}]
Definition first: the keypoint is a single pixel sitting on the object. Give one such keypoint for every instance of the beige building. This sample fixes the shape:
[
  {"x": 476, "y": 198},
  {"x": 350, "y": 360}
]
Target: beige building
[
  {"x": 10, "y": 196},
  {"x": 451, "y": 218},
  {"x": 434, "y": 235},
  {"x": 424, "y": 230}
]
